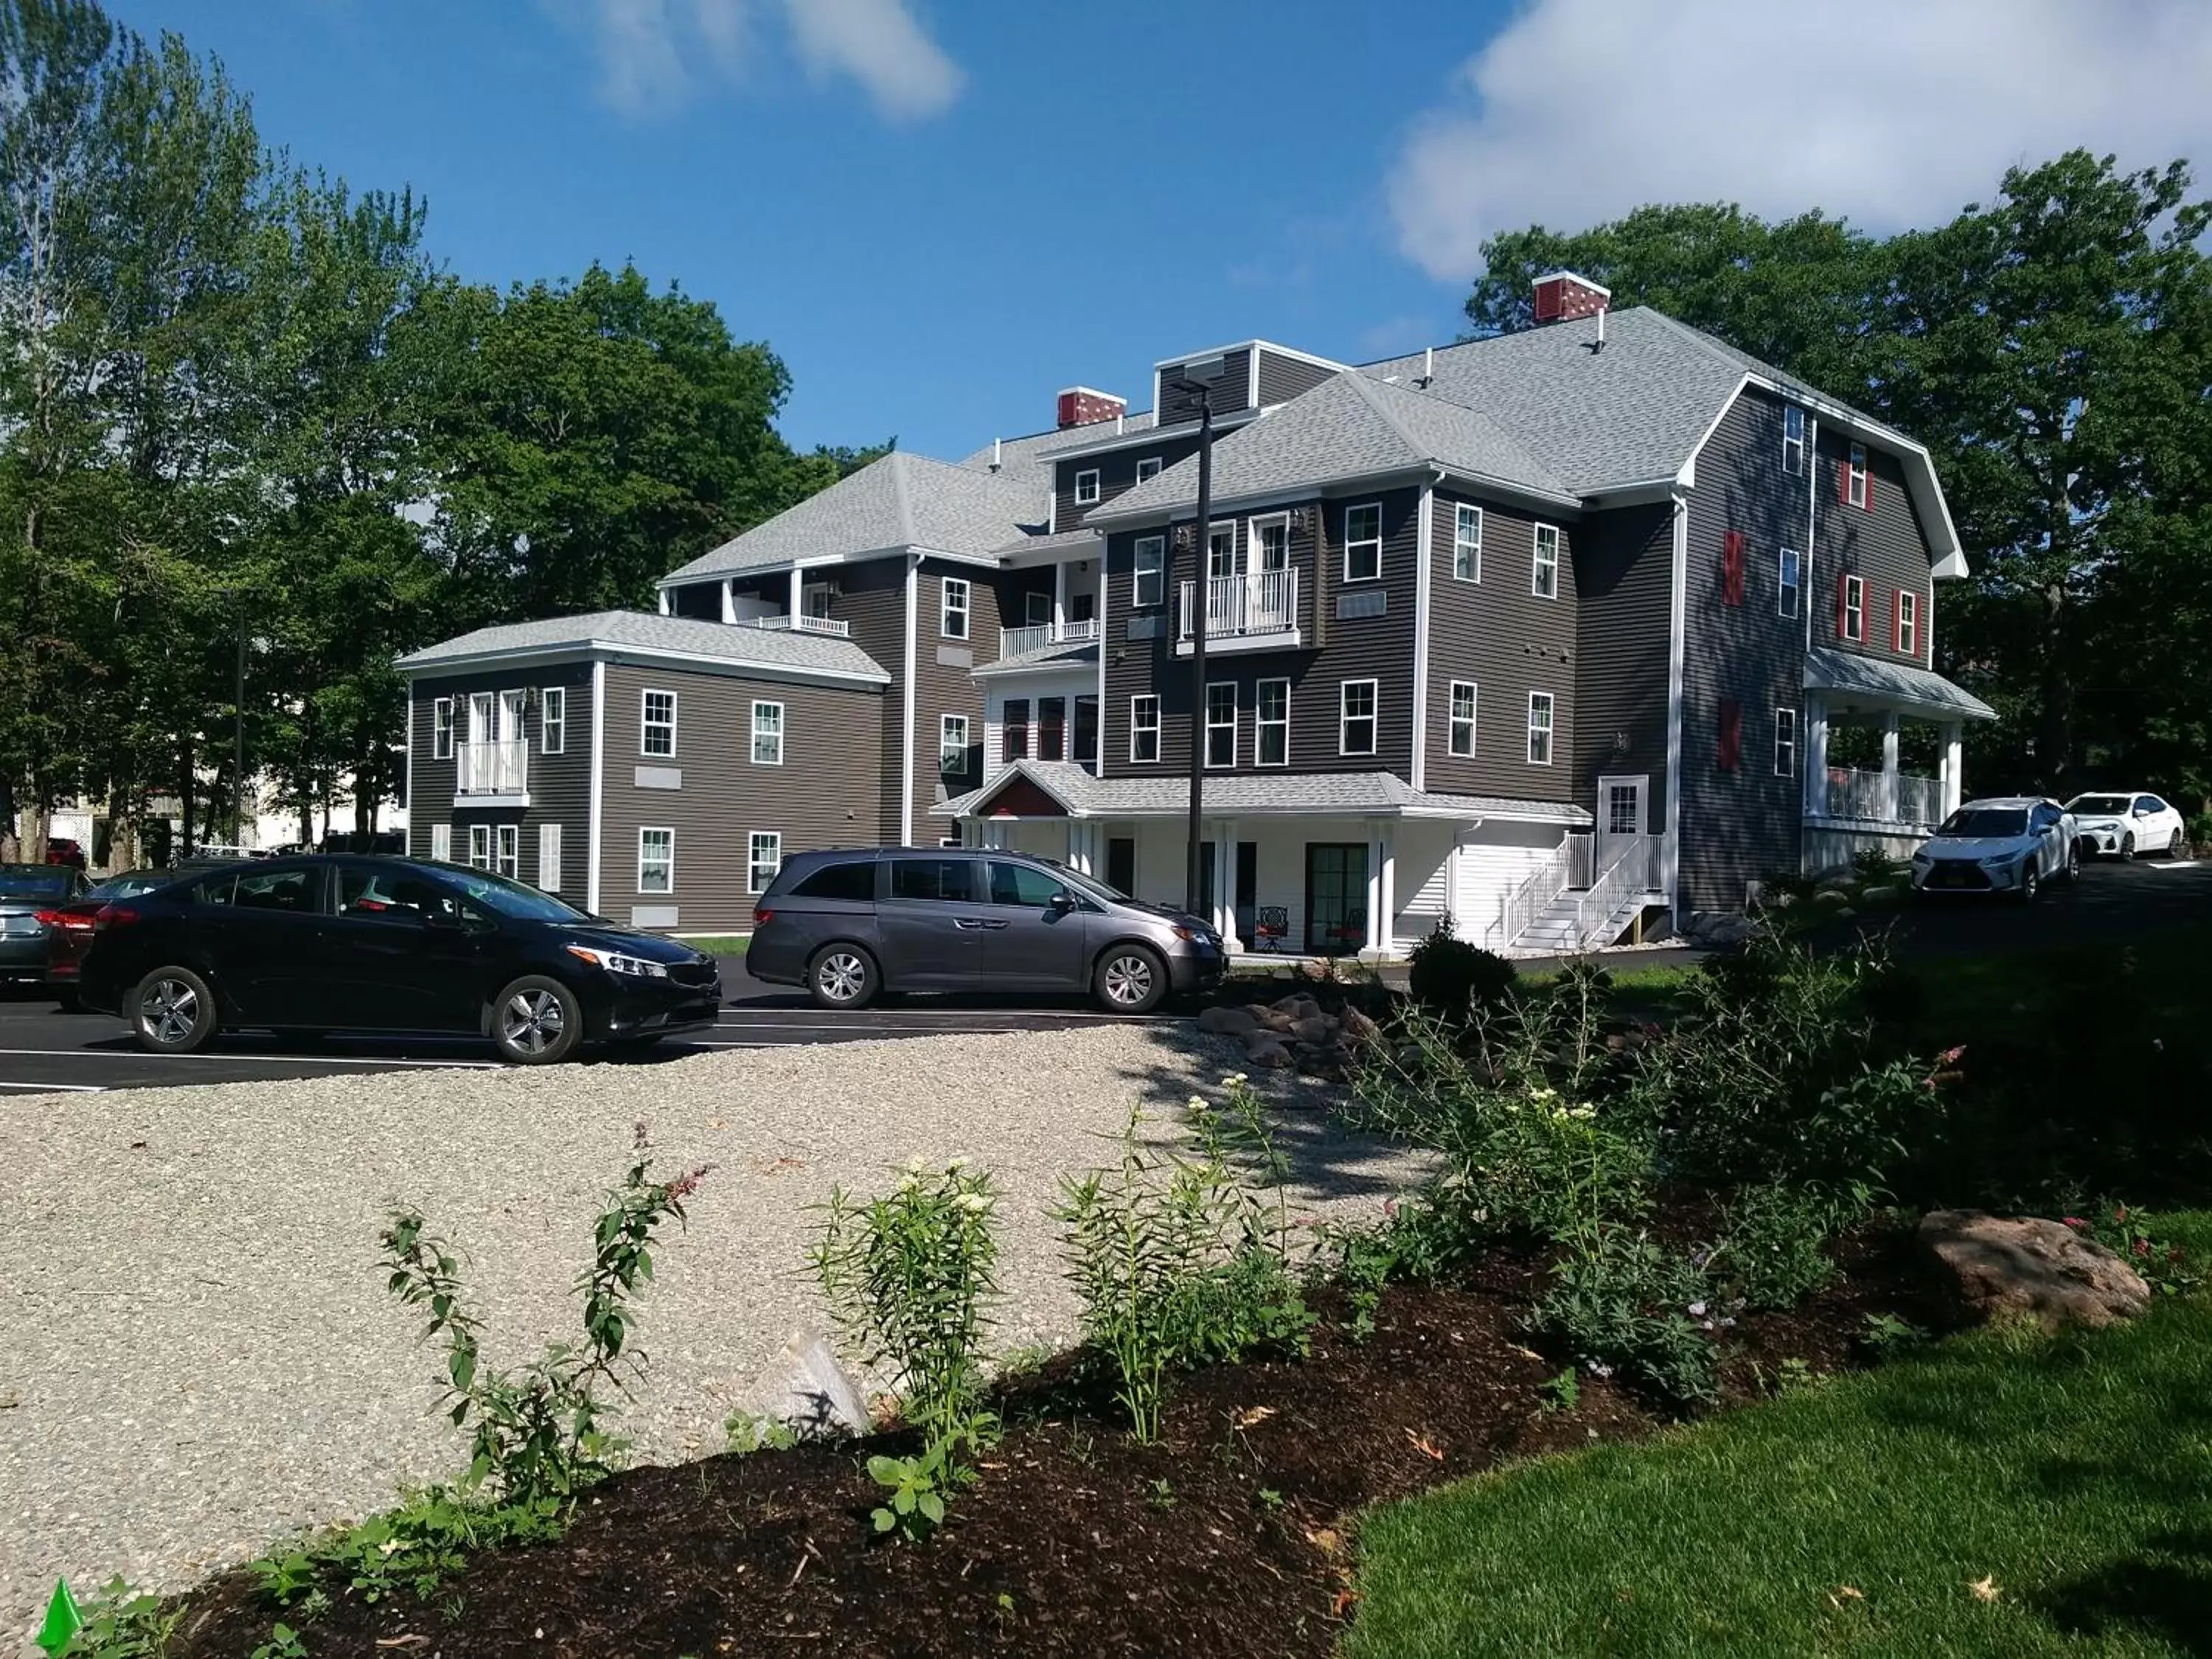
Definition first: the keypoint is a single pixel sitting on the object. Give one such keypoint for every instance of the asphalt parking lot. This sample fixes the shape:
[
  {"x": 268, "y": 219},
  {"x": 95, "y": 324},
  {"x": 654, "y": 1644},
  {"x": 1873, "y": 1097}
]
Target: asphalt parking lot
[{"x": 43, "y": 1049}]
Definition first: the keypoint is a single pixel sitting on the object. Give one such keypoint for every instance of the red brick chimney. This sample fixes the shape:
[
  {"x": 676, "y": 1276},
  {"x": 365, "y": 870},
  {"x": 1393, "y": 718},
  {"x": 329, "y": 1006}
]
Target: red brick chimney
[
  {"x": 1563, "y": 296},
  {"x": 1081, "y": 406}
]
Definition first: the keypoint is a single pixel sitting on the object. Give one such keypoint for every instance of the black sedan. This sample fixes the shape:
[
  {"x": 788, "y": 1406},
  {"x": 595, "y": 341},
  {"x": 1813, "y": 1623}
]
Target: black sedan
[
  {"x": 30, "y": 894},
  {"x": 316, "y": 945}
]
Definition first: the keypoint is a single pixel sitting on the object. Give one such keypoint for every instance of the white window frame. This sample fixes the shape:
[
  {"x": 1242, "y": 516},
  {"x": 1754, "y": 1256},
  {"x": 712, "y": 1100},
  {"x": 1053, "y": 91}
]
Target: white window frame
[
  {"x": 1785, "y": 742},
  {"x": 1455, "y": 719},
  {"x": 1908, "y": 622},
  {"x": 1373, "y": 543},
  {"x": 548, "y": 858},
  {"x": 480, "y": 846},
  {"x": 1344, "y": 717},
  {"x": 1148, "y": 469},
  {"x": 1261, "y": 724},
  {"x": 1856, "y": 487},
  {"x": 1141, "y": 726},
  {"x": 1086, "y": 497},
  {"x": 1467, "y": 551},
  {"x": 1212, "y": 725},
  {"x": 667, "y": 863},
  {"x": 647, "y": 725},
  {"x": 1255, "y": 531},
  {"x": 506, "y": 851},
  {"x": 442, "y": 843},
  {"x": 553, "y": 720},
  {"x": 1854, "y": 610},
  {"x": 754, "y": 861},
  {"x": 441, "y": 729},
  {"x": 1032, "y": 603},
  {"x": 1793, "y": 440},
  {"x": 774, "y": 739},
  {"x": 1221, "y": 550},
  {"x": 1541, "y": 733},
  {"x": 954, "y": 599},
  {"x": 1157, "y": 573},
  {"x": 1789, "y": 582},
  {"x": 952, "y": 754},
  {"x": 1540, "y": 568}
]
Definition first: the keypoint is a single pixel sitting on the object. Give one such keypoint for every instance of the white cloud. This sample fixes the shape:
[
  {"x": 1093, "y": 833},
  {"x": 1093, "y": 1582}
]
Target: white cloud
[
  {"x": 1890, "y": 112},
  {"x": 879, "y": 43},
  {"x": 654, "y": 54}
]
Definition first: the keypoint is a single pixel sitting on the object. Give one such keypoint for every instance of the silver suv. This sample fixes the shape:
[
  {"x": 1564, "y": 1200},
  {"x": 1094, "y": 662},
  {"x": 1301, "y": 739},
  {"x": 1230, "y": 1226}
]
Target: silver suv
[{"x": 849, "y": 924}]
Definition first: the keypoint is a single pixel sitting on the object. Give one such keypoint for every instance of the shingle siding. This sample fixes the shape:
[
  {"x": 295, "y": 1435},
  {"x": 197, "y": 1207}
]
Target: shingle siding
[
  {"x": 1624, "y": 585},
  {"x": 1498, "y": 634},
  {"x": 824, "y": 795},
  {"x": 560, "y": 785},
  {"x": 1231, "y": 392},
  {"x": 1283, "y": 377}
]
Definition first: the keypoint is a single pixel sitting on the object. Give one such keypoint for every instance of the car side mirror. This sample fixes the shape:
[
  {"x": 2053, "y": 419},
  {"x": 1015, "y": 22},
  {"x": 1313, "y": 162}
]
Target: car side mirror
[
  {"x": 1060, "y": 903},
  {"x": 443, "y": 921}
]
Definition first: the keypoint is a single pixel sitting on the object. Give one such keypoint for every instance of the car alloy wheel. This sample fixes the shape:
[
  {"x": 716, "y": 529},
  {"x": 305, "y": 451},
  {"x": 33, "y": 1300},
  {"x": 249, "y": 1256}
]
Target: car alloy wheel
[
  {"x": 2073, "y": 863},
  {"x": 2176, "y": 847},
  {"x": 532, "y": 1021},
  {"x": 2030, "y": 881},
  {"x": 2127, "y": 849},
  {"x": 168, "y": 1011},
  {"x": 842, "y": 975},
  {"x": 1129, "y": 980}
]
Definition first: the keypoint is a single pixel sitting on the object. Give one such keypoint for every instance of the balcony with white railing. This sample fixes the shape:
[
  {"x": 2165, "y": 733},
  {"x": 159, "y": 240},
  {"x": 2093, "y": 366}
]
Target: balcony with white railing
[
  {"x": 1897, "y": 798},
  {"x": 802, "y": 623},
  {"x": 492, "y": 772},
  {"x": 1020, "y": 642},
  {"x": 1258, "y": 608}
]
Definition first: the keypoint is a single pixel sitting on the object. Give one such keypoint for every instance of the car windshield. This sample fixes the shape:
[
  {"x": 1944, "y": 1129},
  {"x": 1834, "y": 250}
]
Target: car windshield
[
  {"x": 2098, "y": 805},
  {"x": 130, "y": 885},
  {"x": 35, "y": 881},
  {"x": 1089, "y": 887},
  {"x": 1985, "y": 822},
  {"x": 513, "y": 898}
]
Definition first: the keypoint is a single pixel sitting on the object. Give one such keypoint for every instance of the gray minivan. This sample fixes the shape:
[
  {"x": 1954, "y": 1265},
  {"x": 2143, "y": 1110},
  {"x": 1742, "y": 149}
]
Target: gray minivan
[{"x": 848, "y": 924}]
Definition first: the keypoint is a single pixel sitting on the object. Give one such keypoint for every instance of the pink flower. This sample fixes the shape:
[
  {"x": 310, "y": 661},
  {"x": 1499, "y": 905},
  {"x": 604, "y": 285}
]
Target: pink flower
[
  {"x": 1952, "y": 1056},
  {"x": 687, "y": 1183},
  {"x": 2076, "y": 1222},
  {"x": 2143, "y": 1247}
]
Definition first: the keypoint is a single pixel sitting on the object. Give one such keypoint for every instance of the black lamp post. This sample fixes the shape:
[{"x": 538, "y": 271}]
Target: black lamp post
[
  {"x": 1198, "y": 379},
  {"x": 238, "y": 731}
]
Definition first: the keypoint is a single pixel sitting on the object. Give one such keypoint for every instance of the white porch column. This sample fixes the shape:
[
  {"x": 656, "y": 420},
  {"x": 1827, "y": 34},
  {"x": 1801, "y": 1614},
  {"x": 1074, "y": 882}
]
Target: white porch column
[
  {"x": 664, "y": 606},
  {"x": 729, "y": 600},
  {"x": 1889, "y": 764},
  {"x": 798, "y": 594},
  {"x": 1224, "y": 884},
  {"x": 1816, "y": 757},
  {"x": 1058, "y": 598},
  {"x": 1382, "y": 888},
  {"x": 1953, "y": 773},
  {"x": 1080, "y": 837}
]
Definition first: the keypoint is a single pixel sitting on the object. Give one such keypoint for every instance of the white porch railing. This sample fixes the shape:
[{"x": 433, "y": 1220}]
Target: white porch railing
[
  {"x": 1015, "y": 641},
  {"x": 1868, "y": 796},
  {"x": 500, "y": 768},
  {"x": 1626, "y": 871},
  {"x": 1533, "y": 893},
  {"x": 803, "y": 624},
  {"x": 1257, "y": 602}
]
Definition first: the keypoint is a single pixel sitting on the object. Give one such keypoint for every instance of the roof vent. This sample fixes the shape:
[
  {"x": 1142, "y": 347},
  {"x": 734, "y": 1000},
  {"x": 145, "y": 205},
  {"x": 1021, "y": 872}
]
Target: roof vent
[
  {"x": 1080, "y": 405},
  {"x": 1563, "y": 296}
]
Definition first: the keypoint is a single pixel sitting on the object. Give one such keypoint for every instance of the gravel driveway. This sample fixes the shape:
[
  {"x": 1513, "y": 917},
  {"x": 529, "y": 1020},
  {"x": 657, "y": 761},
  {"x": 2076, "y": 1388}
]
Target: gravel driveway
[{"x": 197, "y": 1355}]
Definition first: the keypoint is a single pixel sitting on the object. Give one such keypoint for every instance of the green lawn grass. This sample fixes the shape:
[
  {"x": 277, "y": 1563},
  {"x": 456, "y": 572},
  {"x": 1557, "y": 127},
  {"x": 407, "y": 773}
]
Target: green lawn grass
[
  {"x": 731, "y": 944},
  {"x": 2069, "y": 1476}
]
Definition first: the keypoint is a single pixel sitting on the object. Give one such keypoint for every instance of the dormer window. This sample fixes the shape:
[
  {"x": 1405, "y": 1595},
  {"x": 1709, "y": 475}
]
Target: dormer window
[
  {"x": 1856, "y": 493},
  {"x": 1086, "y": 487},
  {"x": 1148, "y": 468}
]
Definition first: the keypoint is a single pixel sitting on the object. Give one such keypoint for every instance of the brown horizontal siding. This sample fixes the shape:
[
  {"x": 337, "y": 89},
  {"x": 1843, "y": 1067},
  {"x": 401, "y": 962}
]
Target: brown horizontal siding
[
  {"x": 560, "y": 785},
  {"x": 871, "y": 601},
  {"x": 942, "y": 689},
  {"x": 1117, "y": 475},
  {"x": 1283, "y": 378},
  {"x": 1231, "y": 392},
  {"x": 1623, "y": 587}
]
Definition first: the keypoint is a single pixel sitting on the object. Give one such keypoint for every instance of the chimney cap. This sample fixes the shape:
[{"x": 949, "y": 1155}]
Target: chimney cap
[
  {"x": 1575, "y": 277},
  {"x": 1084, "y": 405}
]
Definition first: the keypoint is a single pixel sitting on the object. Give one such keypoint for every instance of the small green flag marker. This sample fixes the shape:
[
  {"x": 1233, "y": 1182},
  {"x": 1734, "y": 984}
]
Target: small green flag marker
[{"x": 62, "y": 1619}]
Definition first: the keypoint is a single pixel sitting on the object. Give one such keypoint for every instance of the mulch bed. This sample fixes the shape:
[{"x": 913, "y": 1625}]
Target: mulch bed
[{"x": 1230, "y": 1537}]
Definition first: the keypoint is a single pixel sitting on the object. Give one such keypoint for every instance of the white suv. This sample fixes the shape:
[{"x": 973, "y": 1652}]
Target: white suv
[
  {"x": 2125, "y": 825},
  {"x": 2009, "y": 844}
]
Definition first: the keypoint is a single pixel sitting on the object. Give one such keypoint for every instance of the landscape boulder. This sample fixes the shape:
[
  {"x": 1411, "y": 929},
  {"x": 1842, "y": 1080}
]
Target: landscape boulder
[
  {"x": 1229, "y": 1022},
  {"x": 1999, "y": 1267},
  {"x": 1718, "y": 931},
  {"x": 1266, "y": 1048},
  {"x": 1316, "y": 1029},
  {"x": 1298, "y": 1006},
  {"x": 1266, "y": 1018},
  {"x": 1358, "y": 1030},
  {"x": 804, "y": 1387}
]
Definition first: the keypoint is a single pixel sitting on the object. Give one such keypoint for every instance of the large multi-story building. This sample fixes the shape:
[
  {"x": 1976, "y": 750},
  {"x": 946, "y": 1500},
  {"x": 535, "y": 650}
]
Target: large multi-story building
[{"x": 1546, "y": 632}]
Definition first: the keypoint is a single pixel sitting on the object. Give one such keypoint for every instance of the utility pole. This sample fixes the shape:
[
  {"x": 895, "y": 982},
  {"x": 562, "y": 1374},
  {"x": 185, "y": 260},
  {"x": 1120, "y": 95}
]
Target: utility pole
[
  {"x": 237, "y": 734},
  {"x": 1202, "y": 590}
]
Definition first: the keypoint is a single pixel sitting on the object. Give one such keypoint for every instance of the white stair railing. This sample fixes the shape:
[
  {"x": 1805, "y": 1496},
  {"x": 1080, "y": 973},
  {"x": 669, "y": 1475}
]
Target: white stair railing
[
  {"x": 1625, "y": 874},
  {"x": 1519, "y": 908}
]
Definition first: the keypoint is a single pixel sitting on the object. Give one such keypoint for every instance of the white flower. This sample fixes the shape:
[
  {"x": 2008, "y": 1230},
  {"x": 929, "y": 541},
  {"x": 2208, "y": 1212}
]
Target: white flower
[
  {"x": 1697, "y": 1310},
  {"x": 1585, "y": 1113},
  {"x": 1198, "y": 1102},
  {"x": 974, "y": 1203},
  {"x": 917, "y": 1164},
  {"x": 954, "y": 1166}
]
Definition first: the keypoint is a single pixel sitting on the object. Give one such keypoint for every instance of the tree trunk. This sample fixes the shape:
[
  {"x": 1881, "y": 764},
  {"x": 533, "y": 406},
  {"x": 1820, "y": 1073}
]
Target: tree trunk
[
  {"x": 2055, "y": 727},
  {"x": 185, "y": 782},
  {"x": 10, "y": 850}
]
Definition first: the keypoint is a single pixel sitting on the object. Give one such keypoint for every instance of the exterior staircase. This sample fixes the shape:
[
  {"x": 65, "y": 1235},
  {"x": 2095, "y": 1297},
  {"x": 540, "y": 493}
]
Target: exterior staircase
[
  {"x": 1572, "y": 903},
  {"x": 1559, "y": 928}
]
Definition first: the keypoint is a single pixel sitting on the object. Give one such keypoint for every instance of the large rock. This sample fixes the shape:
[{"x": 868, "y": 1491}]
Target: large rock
[
  {"x": 1996, "y": 1267},
  {"x": 1298, "y": 1006},
  {"x": 1229, "y": 1022},
  {"x": 806, "y": 1388},
  {"x": 1316, "y": 1029},
  {"x": 1272, "y": 1019},
  {"x": 1720, "y": 929},
  {"x": 1358, "y": 1030},
  {"x": 1266, "y": 1048}
]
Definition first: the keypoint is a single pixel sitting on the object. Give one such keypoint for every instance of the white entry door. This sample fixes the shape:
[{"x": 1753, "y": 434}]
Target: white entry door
[{"x": 1619, "y": 814}]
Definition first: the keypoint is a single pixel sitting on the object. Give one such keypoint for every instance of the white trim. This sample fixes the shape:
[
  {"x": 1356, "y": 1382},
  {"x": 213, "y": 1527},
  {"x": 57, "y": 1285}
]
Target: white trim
[
  {"x": 1798, "y": 442},
  {"x": 1082, "y": 499},
  {"x": 1207, "y": 728},
  {"x": 1425, "y": 550},
  {"x": 440, "y": 705},
  {"x": 1452, "y": 718},
  {"x": 1373, "y": 717},
  {"x": 1260, "y": 724},
  {"x": 1549, "y": 728},
  {"x": 1252, "y": 526},
  {"x": 1158, "y": 464},
  {"x": 1344, "y": 527},
  {"x": 548, "y": 843},
  {"x": 1536, "y": 563},
  {"x": 643, "y": 830},
  {"x": 507, "y": 849},
  {"x": 944, "y": 731},
  {"x": 1100, "y": 761},
  {"x": 1677, "y": 622},
  {"x": 1178, "y": 360},
  {"x": 1459, "y": 508},
  {"x": 407, "y": 835},
  {"x": 1782, "y": 555},
  {"x": 1153, "y": 698},
  {"x": 636, "y": 656},
  {"x": 944, "y": 608},
  {"x": 753, "y": 752},
  {"x": 546, "y": 722},
  {"x": 1137, "y": 438},
  {"x": 1906, "y": 595},
  {"x": 1780, "y": 770},
  {"x": 906, "y": 748},
  {"x": 753, "y": 838},
  {"x": 598, "y": 787},
  {"x": 645, "y": 724},
  {"x": 1854, "y": 596},
  {"x": 1812, "y": 520},
  {"x": 1858, "y": 478},
  {"x": 480, "y": 835},
  {"x": 441, "y": 840},
  {"x": 1251, "y": 393},
  {"x": 1137, "y": 600}
]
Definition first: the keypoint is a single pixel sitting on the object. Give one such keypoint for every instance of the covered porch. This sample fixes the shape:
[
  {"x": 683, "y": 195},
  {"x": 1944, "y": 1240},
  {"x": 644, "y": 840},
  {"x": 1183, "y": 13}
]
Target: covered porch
[{"x": 1883, "y": 755}]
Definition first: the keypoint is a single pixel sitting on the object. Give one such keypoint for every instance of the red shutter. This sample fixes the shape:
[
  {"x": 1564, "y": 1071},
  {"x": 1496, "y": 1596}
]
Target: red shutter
[
  {"x": 1730, "y": 755},
  {"x": 1840, "y": 578},
  {"x": 1844, "y": 477},
  {"x": 1896, "y": 616},
  {"x": 1868, "y": 490},
  {"x": 1732, "y": 568}
]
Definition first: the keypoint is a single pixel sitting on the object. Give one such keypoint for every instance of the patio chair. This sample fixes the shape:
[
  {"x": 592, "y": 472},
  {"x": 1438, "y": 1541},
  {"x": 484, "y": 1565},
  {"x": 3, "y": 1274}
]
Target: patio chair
[{"x": 1271, "y": 926}]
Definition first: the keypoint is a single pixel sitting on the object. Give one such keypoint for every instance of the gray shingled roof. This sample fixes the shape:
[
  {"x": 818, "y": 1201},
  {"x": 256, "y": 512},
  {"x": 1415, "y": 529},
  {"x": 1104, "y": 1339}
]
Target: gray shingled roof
[
  {"x": 1071, "y": 653},
  {"x": 1849, "y": 673},
  {"x": 1319, "y": 793},
  {"x": 1348, "y": 427},
  {"x": 900, "y": 501},
  {"x": 1063, "y": 541},
  {"x": 769, "y": 649},
  {"x": 1026, "y": 458}
]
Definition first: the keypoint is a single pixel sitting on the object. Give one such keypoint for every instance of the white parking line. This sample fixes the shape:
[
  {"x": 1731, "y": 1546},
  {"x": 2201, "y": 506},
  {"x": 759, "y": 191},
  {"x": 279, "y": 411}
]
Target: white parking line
[
  {"x": 229, "y": 1058},
  {"x": 57, "y": 1088}
]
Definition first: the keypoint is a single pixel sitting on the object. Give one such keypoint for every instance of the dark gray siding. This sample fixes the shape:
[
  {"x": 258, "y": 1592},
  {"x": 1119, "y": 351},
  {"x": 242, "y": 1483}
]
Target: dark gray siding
[
  {"x": 1623, "y": 584},
  {"x": 872, "y": 600},
  {"x": 700, "y": 600},
  {"x": 1015, "y": 588},
  {"x": 1332, "y": 649},
  {"x": 560, "y": 785},
  {"x": 1737, "y": 827},
  {"x": 1231, "y": 392},
  {"x": 1499, "y": 635},
  {"x": 824, "y": 795},
  {"x": 1117, "y": 473},
  {"x": 1282, "y": 377},
  {"x": 945, "y": 683},
  {"x": 1886, "y": 546}
]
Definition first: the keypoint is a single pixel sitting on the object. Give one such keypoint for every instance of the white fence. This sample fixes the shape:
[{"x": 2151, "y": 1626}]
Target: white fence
[
  {"x": 1258, "y": 602},
  {"x": 500, "y": 768}
]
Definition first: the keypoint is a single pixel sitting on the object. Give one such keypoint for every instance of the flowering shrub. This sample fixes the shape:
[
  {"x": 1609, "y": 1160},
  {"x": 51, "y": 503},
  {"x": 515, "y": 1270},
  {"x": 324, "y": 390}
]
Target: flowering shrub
[
  {"x": 1621, "y": 1301},
  {"x": 1774, "y": 1250},
  {"x": 538, "y": 1432},
  {"x": 2122, "y": 1230}
]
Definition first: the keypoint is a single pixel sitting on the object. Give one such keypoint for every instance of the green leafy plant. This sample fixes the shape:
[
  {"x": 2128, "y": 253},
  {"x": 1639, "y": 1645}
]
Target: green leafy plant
[
  {"x": 750, "y": 1431},
  {"x": 2164, "y": 1267},
  {"x": 537, "y": 1433},
  {"x": 1451, "y": 979},
  {"x": 1162, "y": 1495},
  {"x": 283, "y": 1643},
  {"x": 1563, "y": 1393},
  {"x": 1619, "y": 1301},
  {"x": 918, "y": 1488},
  {"x": 1773, "y": 1251},
  {"x": 121, "y": 1623},
  {"x": 1887, "y": 1334},
  {"x": 415, "y": 1547},
  {"x": 909, "y": 1278}
]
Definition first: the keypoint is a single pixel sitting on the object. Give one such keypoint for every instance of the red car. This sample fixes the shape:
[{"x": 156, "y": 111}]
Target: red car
[
  {"x": 60, "y": 849},
  {"x": 69, "y": 926}
]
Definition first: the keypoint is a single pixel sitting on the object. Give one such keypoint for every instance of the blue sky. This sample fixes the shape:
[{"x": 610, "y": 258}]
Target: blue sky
[{"x": 940, "y": 212}]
